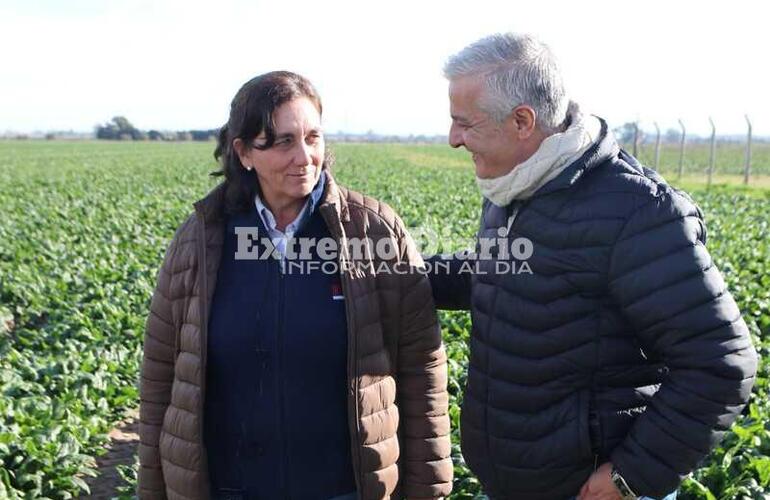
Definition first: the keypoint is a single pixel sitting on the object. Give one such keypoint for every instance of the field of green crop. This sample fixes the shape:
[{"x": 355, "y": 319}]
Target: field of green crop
[{"x": 83, "y": 227}]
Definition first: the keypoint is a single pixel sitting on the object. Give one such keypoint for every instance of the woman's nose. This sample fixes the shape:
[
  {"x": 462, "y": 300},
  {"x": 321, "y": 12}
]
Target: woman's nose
[{"x": 303, "y": 154}]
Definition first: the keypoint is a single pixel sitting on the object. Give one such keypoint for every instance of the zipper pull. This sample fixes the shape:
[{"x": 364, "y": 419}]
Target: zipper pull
[{"x": 512, "y": 217}]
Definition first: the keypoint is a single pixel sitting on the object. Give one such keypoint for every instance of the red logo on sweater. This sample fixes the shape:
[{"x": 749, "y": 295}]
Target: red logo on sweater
[{"x": 337, "y": 291}]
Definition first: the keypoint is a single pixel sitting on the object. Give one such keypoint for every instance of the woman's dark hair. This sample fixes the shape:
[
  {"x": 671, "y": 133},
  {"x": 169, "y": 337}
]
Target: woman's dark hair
[{"x": 251, "y": 113}]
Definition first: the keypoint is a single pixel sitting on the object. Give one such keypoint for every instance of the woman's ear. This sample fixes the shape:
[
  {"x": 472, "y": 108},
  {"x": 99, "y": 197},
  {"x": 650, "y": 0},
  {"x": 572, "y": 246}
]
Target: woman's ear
[{"x": 240, "y": 149}]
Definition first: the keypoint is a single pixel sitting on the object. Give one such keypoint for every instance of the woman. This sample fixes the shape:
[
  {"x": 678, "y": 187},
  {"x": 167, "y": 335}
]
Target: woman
[{"x": 268, "y": 373}]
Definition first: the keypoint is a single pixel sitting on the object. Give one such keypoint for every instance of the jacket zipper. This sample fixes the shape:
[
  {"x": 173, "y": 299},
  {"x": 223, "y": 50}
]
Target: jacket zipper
[
  {"x": 334, "y": 225},
  {"x": 515, "y": 209},
  {"x": 352, "y": 377}
]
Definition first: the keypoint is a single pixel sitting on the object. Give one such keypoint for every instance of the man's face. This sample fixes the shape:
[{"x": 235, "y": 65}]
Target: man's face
[{"x": 494, "y": 146}]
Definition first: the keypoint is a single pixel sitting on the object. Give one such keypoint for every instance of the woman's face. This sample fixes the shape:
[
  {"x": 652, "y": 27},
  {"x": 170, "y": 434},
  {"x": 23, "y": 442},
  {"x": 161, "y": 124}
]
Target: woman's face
[{"x": 290, "y": 168}]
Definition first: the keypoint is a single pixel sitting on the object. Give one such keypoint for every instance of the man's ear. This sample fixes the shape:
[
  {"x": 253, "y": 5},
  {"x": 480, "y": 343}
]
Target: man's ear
[{"x": 524, "y": 121}]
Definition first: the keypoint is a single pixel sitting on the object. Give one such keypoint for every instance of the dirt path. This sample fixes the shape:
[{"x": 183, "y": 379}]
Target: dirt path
[{"x": 120, "y": 451}]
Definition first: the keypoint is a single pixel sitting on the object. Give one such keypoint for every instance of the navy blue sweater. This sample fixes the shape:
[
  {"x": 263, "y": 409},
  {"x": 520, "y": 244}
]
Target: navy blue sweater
[{"x": 276, "y": 422}]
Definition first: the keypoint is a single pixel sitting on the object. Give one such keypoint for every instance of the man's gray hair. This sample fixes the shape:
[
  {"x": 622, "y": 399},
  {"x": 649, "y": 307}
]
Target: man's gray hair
[{"x": 517, "y": 69}]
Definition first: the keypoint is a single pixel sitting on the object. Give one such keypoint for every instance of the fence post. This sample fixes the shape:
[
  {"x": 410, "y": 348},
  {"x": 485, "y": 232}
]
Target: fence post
[
  {"x": 681, "y": 149},
  {"x": 657, "y": 145},
  {"x": 713, "y": 150},
  {"x": 747, "y": 167},
  {"x": 636, "y": 140}
]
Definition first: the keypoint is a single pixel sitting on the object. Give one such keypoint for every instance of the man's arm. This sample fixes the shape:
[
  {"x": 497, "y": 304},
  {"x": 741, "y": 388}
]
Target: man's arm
[
  {"x": 667, "y": 285},
  {"x": 450, "y": 284}
]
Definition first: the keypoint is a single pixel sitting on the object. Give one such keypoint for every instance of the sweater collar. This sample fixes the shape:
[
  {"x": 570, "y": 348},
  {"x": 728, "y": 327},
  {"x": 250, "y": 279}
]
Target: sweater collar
[
  {"x": 211, "y": 207},
  {"x": 268, "y": 218}
]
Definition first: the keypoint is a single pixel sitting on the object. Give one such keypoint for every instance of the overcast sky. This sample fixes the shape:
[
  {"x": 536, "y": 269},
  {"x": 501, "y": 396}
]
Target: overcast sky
[{"x": 176, "y": 64}]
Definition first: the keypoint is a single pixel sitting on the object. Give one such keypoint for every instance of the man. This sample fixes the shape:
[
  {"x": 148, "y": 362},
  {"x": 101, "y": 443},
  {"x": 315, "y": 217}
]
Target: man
[{"x": 610, "y": 361}]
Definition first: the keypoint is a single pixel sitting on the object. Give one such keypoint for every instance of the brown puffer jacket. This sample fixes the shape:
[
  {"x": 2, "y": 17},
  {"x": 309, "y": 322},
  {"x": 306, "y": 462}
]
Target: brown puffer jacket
[{"x": 397, "y": 377}]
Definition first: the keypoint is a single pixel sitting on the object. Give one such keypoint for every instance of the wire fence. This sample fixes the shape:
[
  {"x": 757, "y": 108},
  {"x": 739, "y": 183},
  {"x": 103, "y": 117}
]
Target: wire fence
[{"x": 711, "y": 160}]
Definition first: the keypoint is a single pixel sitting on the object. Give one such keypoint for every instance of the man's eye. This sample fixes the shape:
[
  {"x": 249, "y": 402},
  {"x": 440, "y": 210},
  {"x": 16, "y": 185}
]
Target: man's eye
[
  {"x": 313, "y": 138},
  {"x": 283, "y": 142}
]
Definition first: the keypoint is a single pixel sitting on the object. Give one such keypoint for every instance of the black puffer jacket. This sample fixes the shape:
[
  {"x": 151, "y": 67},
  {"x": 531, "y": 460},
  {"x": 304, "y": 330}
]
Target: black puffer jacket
[{"x": 622, "y": 345}]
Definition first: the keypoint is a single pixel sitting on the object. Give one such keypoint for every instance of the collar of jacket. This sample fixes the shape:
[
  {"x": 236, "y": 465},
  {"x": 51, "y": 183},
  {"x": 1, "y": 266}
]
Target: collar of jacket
[
  {"x": 211, "y": 206},
  {"x": 603, "y": 149}
]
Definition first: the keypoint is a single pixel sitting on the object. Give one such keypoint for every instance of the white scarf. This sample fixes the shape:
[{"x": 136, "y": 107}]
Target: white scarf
[{"x": 555, "y": 154}]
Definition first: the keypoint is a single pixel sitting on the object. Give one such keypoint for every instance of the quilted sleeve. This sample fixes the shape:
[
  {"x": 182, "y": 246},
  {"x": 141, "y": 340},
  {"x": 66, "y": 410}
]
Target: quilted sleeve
[
  {"x": 421, "y": 384},
  {"x": 157, "y": 375},
  {"x": 667, "y": 285}
]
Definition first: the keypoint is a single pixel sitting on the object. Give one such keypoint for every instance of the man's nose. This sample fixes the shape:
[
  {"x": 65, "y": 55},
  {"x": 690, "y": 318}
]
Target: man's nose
[{"x": 455, "y": 137}]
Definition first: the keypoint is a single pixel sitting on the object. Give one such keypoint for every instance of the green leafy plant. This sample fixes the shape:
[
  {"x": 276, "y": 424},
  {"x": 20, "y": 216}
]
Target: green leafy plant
[{"x": 83, "y": 227}]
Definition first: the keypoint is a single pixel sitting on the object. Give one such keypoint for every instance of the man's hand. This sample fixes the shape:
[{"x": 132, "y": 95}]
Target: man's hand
[{"x": 599, "y": 485}]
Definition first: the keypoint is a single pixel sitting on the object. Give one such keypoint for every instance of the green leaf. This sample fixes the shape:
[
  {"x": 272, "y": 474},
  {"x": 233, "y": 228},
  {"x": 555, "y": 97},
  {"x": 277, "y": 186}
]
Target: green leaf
[{"x": 762, "y": 466}]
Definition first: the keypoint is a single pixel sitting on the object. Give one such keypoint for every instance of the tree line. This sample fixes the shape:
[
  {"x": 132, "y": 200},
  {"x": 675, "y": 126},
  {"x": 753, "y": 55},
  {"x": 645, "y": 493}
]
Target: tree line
[{"x": 120, "y": 129}]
